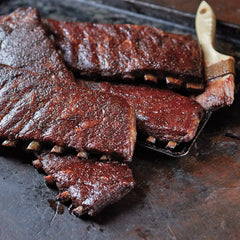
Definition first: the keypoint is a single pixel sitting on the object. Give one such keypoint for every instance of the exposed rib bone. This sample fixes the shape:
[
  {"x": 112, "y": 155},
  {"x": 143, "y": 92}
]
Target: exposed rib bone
[
  {"x": 9, "y": 143},
  {"x": 57, "y": 149},
  {"x": 37, "y": 164},
  {"x": 82, "y": 155},
  {"x": 150, "y": 77},
  {"x": 105, "y": 157},
  {"x": 171, "y": 145},
  {"x": 195, "y": 86},
  {"x": 128, "y": 77},
  {"x": 64, "y": 196},
  {"x": 151, "y": 139},
  {"x": 34, "y": 146},
  {"x": 49, "y": 179},
  {"x": 78, "y": 211},
  {"x": 174, "y": 81}
]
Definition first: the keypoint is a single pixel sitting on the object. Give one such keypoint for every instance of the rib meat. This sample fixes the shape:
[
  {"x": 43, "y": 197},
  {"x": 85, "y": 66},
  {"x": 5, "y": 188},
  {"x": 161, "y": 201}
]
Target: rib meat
[
  {"x": 40, "y": 100},
  {"x": 25, "y": 45},
  {"x": 33, "y": 107},
  {"x": 163, "y": 114},
  {"x": 127, "y": 51},
  {"x": 90, "y": 185},
  {"x": 219, "y": 92}
]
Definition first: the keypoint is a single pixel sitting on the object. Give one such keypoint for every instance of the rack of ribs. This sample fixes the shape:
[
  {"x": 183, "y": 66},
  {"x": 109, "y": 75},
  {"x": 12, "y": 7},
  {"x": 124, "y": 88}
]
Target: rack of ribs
[
  {"x": 41, "y": 109},
  {"x": 161, "y": 114},
  {"x": 40, "y": 100},
  {"x": 90, "y": 185},
  {"x": 128, "y": 52}
]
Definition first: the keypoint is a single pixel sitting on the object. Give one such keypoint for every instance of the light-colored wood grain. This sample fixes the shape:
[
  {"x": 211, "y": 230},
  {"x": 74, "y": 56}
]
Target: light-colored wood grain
[{"x": 216, "y": 64}]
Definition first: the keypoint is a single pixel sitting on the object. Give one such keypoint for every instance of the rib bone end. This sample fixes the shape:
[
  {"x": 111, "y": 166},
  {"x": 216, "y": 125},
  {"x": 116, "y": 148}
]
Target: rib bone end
[
  {"x": 64, "y": 196},
  {"x": 174, "y": 82},
  {"x": 150, "y": 77},
  {"x": 195, "y": 86},
  {"x": 151, "y": 139},
  {"x": 9, "y": 143},
  {"x": 57, "y": 149},
  {"x": 78, "y": 211},
  {"x": 82, "y": 155},
  {"x": 171, "y": 145},
  {"x": 33, "y": 146},
  {"x": 37, "y": 164},
  {"x": 49, "y": 179}
]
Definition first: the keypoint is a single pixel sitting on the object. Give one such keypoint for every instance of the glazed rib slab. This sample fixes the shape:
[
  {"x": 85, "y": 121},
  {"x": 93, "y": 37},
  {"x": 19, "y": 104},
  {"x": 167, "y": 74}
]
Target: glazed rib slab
[
  {"x": 89, "y": 184},
  {"x": 127, "y": 51},
  {"x": 40, "y": 100},
  {"x": 162, "y": 114}
]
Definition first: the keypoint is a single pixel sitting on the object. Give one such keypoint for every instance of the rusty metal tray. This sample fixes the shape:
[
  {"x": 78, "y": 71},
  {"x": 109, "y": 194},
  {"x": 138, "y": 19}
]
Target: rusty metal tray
[{"x": 191, "y": 197}]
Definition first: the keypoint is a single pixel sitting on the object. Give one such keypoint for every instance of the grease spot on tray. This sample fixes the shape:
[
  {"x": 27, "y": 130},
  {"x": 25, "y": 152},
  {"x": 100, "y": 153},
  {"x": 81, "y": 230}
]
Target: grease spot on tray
[{"x": 56, "y": 206}]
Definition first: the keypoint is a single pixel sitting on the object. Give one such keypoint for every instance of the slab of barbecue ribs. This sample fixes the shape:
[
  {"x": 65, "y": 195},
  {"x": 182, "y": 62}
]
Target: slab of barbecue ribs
[
  {"x": 89, "y": 184},
  {"x": 138, "y": 52},
  {"x": 41, "y": 109},
  {"x": 40, "y": 100},
  {"x": 162, "y": 114},
  {"x": 87, "y": 48},
  {"x": 128, "y": 52}
]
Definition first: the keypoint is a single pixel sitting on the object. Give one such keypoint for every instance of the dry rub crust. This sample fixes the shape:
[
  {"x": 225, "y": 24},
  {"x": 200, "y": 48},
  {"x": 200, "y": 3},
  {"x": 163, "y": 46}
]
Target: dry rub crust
[
  {"x": 162, "y": 114},
  {"x": 42, "y": 109},
  {"x": 89, "y": 184},
  {"x": 40, "y": 100},
  {"x": 127, "y": 51}
]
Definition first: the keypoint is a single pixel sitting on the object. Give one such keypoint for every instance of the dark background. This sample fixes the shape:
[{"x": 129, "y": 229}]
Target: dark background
[{"x": 192, "y": 197}]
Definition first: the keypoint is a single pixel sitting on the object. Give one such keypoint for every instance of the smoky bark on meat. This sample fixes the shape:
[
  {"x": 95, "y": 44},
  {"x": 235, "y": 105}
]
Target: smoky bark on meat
[
  {"x": 42, "y": 109},
  {"x": 163, "y": 114},
  {"x": 25, "y": 45},
  {"x": 89, "y": 184},
  {"x": 40, "y": 100},
  {"x": 127, "y": 52}
]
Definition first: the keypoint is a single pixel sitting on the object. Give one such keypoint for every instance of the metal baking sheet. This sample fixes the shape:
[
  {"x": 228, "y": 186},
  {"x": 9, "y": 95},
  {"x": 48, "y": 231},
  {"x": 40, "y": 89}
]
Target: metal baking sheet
[{"x": 191, "y": 197}]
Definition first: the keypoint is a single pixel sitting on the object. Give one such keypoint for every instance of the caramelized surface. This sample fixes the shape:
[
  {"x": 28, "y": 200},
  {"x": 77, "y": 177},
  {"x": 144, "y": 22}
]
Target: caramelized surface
[
  {"x": 42, "y": 109},
  {"x": 119, "y": 50},
  {"x": 91, "y": 185},
  {"x": 46, "y": 105},
  {"x": 163, "y": 114},
  {"x": 24, "y": 45}
]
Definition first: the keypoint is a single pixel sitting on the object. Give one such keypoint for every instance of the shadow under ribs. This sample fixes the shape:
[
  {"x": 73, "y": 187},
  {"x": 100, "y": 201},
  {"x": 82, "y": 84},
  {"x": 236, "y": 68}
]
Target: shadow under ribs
[
  {"x": 40, "y": 100},
  {"x": 89, "y": 184}
]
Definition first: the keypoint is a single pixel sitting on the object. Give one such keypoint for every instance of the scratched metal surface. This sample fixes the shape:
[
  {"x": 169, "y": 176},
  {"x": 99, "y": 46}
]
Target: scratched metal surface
[{"x": 192, "y": 197}]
